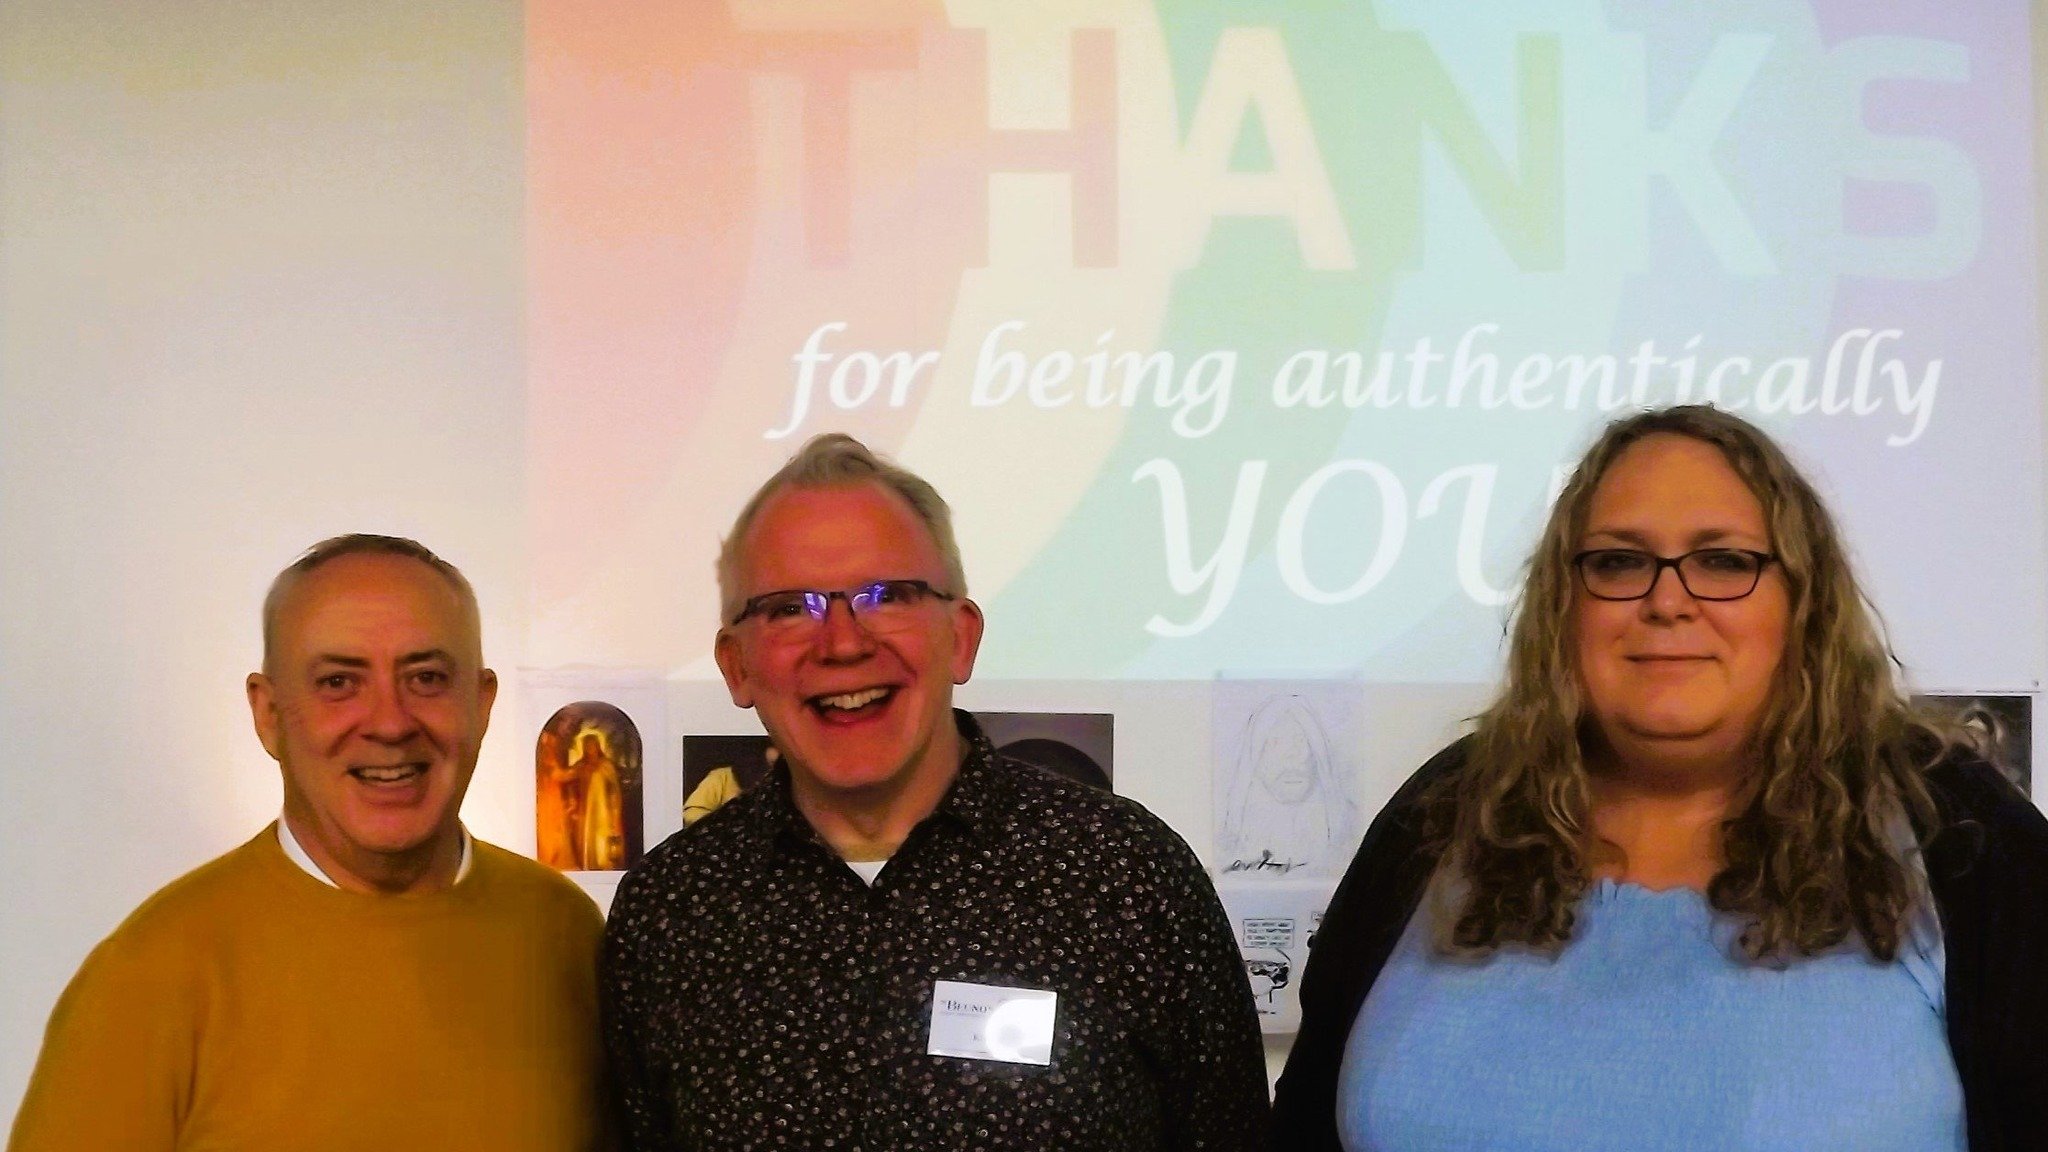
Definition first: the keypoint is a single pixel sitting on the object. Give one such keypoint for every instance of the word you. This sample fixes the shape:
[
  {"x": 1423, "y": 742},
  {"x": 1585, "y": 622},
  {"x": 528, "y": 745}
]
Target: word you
[{"x": 1336, "y": 489}]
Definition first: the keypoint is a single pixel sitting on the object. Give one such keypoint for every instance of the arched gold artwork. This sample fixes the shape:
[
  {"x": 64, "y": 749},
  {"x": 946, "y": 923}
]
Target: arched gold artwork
[{"x": 587, "y": 789}]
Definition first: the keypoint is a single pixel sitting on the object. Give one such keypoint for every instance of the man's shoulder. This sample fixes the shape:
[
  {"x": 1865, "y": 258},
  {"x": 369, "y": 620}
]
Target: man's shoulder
[
  {"x": 523, "y": 873},
  {"x": 533, "y": 884},
  {"x": 728, "y": 845},
  {"x": 202, "y": 905},
  {"x": 219, "y": 886},
  {"x": 1034, "y": 787},
  {"x": 1044, "y": 808},
  {"x": 729, "y": 835}
]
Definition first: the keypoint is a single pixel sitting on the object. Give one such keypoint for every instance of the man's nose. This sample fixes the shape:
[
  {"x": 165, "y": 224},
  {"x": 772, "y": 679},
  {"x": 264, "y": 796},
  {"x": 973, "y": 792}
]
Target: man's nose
[
  {"x": 390, "y": 716},
  {"x": 842, "y": 635}
]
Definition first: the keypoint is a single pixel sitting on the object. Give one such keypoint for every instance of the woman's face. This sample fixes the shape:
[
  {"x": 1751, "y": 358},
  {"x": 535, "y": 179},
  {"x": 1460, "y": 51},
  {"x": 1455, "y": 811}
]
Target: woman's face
[
  {"x": 1669, "y": 678},
  {"x": 1283, "y": 765}
]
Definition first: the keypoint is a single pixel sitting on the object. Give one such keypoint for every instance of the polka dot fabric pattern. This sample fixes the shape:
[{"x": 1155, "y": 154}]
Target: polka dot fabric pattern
[{"x": 759, "y": 995}]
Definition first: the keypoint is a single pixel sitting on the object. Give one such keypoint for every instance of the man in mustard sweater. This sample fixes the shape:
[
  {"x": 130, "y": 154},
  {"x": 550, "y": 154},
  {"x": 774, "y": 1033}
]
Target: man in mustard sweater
[{"x": 362, "y": 974}]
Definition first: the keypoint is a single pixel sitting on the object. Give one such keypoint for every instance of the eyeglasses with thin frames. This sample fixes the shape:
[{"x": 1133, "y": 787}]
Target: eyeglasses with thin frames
[
  {"x": 1713, "y": 574},
  {"x": 881, "y": 606}
]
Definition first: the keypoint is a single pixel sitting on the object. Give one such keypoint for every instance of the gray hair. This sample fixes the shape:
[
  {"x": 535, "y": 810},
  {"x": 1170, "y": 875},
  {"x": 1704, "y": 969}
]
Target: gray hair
[
  {"x": 831, "y": 460},
  {"x": 356, "y": 544}
]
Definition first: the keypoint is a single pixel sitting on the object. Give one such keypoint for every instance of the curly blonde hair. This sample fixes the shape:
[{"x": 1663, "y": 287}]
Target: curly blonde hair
[{"x": 1810, "y": 844}]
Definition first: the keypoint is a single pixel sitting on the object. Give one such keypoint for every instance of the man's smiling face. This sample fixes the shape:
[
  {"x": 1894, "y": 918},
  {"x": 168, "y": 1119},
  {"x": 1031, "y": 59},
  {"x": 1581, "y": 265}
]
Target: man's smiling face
[
  {"x": 374, "y": 702},
  {"x": 857, "y": 709}
]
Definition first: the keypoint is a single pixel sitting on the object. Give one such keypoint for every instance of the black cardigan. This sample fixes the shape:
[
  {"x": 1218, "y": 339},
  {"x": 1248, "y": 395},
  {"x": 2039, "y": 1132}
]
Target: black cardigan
[{"x": 1987, "y": 869}]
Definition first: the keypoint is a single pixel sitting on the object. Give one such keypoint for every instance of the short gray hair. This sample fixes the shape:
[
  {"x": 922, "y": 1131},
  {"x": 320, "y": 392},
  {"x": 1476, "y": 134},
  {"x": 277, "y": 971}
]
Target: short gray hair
[
  {"x": 356, "y": 544},
  {"x": 833, "y": 460}
]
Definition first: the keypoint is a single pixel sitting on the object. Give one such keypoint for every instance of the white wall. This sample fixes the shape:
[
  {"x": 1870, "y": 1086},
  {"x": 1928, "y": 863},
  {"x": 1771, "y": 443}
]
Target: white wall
[{"x": 260, "y": 282}]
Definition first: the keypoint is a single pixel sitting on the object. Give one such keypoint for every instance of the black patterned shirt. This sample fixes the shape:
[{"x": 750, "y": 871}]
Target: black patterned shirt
[{"x": 758, "y": 994}]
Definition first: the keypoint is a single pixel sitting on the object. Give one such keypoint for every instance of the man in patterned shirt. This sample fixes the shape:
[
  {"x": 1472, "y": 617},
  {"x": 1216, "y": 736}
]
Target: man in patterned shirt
[{"x": 902, "y": 940}]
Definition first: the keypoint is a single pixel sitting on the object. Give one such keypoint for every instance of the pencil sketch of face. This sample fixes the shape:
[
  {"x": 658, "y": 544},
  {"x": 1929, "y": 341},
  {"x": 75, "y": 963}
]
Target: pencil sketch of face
[
  {"x": 1285, "y": 765},
  {"x": 1286, "y": 807}
]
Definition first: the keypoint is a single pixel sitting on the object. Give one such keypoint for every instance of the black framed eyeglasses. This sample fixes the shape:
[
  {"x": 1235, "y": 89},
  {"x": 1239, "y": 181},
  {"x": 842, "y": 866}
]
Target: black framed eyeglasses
[
  {"x": 1704, "y": 573},
  {"x": 880, "y": 605}
]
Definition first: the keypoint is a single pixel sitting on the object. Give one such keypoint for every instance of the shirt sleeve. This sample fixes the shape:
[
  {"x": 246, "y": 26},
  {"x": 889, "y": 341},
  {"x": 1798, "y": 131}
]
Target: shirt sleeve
[
  {"x": 118, "y": 1058},
  {"x": 1213, "y": 1063},
  {"x": 640, "y": 1099},
  {"x": 1365, "y": 918},
  {"x": 1989, "y": 868}
]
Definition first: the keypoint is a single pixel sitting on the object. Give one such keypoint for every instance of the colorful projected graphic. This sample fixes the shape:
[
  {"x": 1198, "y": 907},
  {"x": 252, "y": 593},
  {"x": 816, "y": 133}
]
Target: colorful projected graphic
[{"x": 1253, "y": 337}]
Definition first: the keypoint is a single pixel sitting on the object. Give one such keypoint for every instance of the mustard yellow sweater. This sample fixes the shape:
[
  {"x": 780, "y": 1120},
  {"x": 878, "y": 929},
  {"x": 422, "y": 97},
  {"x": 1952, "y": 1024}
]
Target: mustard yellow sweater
[{"x": 249, "y": 1006}]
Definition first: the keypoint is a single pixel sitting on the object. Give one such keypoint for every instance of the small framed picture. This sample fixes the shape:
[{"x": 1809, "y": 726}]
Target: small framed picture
[
  {"x": 598, "y": 739},
  {"x": 1077, "y": 745}
]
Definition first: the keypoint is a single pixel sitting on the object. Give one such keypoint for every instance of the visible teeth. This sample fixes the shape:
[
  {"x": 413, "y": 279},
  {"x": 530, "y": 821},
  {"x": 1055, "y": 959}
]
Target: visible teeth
[
  {"x": 390, "y": 775},
  {"x": 852, "y": 700}
]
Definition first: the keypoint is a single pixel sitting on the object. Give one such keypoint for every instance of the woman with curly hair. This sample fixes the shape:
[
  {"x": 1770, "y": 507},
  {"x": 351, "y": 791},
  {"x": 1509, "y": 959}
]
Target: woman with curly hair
[{"x": 1701, "y": 877}]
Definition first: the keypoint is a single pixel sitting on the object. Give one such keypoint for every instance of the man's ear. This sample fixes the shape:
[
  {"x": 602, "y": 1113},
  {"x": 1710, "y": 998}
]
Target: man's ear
[
  {"x": 263, "y": 710},
  {"x": 486, "y": 695},
  {"x": 967, "y": 625},
  {"x": 726, "y": 650}
]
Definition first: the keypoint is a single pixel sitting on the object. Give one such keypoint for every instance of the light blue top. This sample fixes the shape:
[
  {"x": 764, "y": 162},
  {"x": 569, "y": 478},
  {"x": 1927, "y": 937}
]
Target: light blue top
[{"x": 1647, "y": 1033}]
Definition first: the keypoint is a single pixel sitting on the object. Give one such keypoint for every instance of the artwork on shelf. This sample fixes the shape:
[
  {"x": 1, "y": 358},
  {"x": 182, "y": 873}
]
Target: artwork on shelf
[
  {"x": 1274, "y": 921},
  {"x": 587, "y": 776},
  {"x": 1077, "y": 745},
  {"x": 2001, "y": 725},
  {"x": 1283, "y": 778}
]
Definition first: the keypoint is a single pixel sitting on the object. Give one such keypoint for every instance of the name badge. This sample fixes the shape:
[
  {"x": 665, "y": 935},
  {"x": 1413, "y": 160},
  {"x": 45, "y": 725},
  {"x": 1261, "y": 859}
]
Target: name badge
[{"x": 983, "y": 1022}]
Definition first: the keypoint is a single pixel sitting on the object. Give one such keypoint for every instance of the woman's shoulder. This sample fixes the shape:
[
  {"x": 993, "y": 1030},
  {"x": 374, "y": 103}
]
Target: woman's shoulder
[
  {"x": 1413, "y": 798},
  {"x": 1965, "y": 786},
  {"x": 1984, "y": 814},
  {"x": 1394, "y": 843}
]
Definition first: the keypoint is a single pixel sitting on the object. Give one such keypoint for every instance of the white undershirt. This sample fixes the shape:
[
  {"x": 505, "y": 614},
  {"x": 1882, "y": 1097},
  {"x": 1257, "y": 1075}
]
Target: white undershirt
[
  {"x": 297, "y": 852},
  {"x": 868, "y": 869}
]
